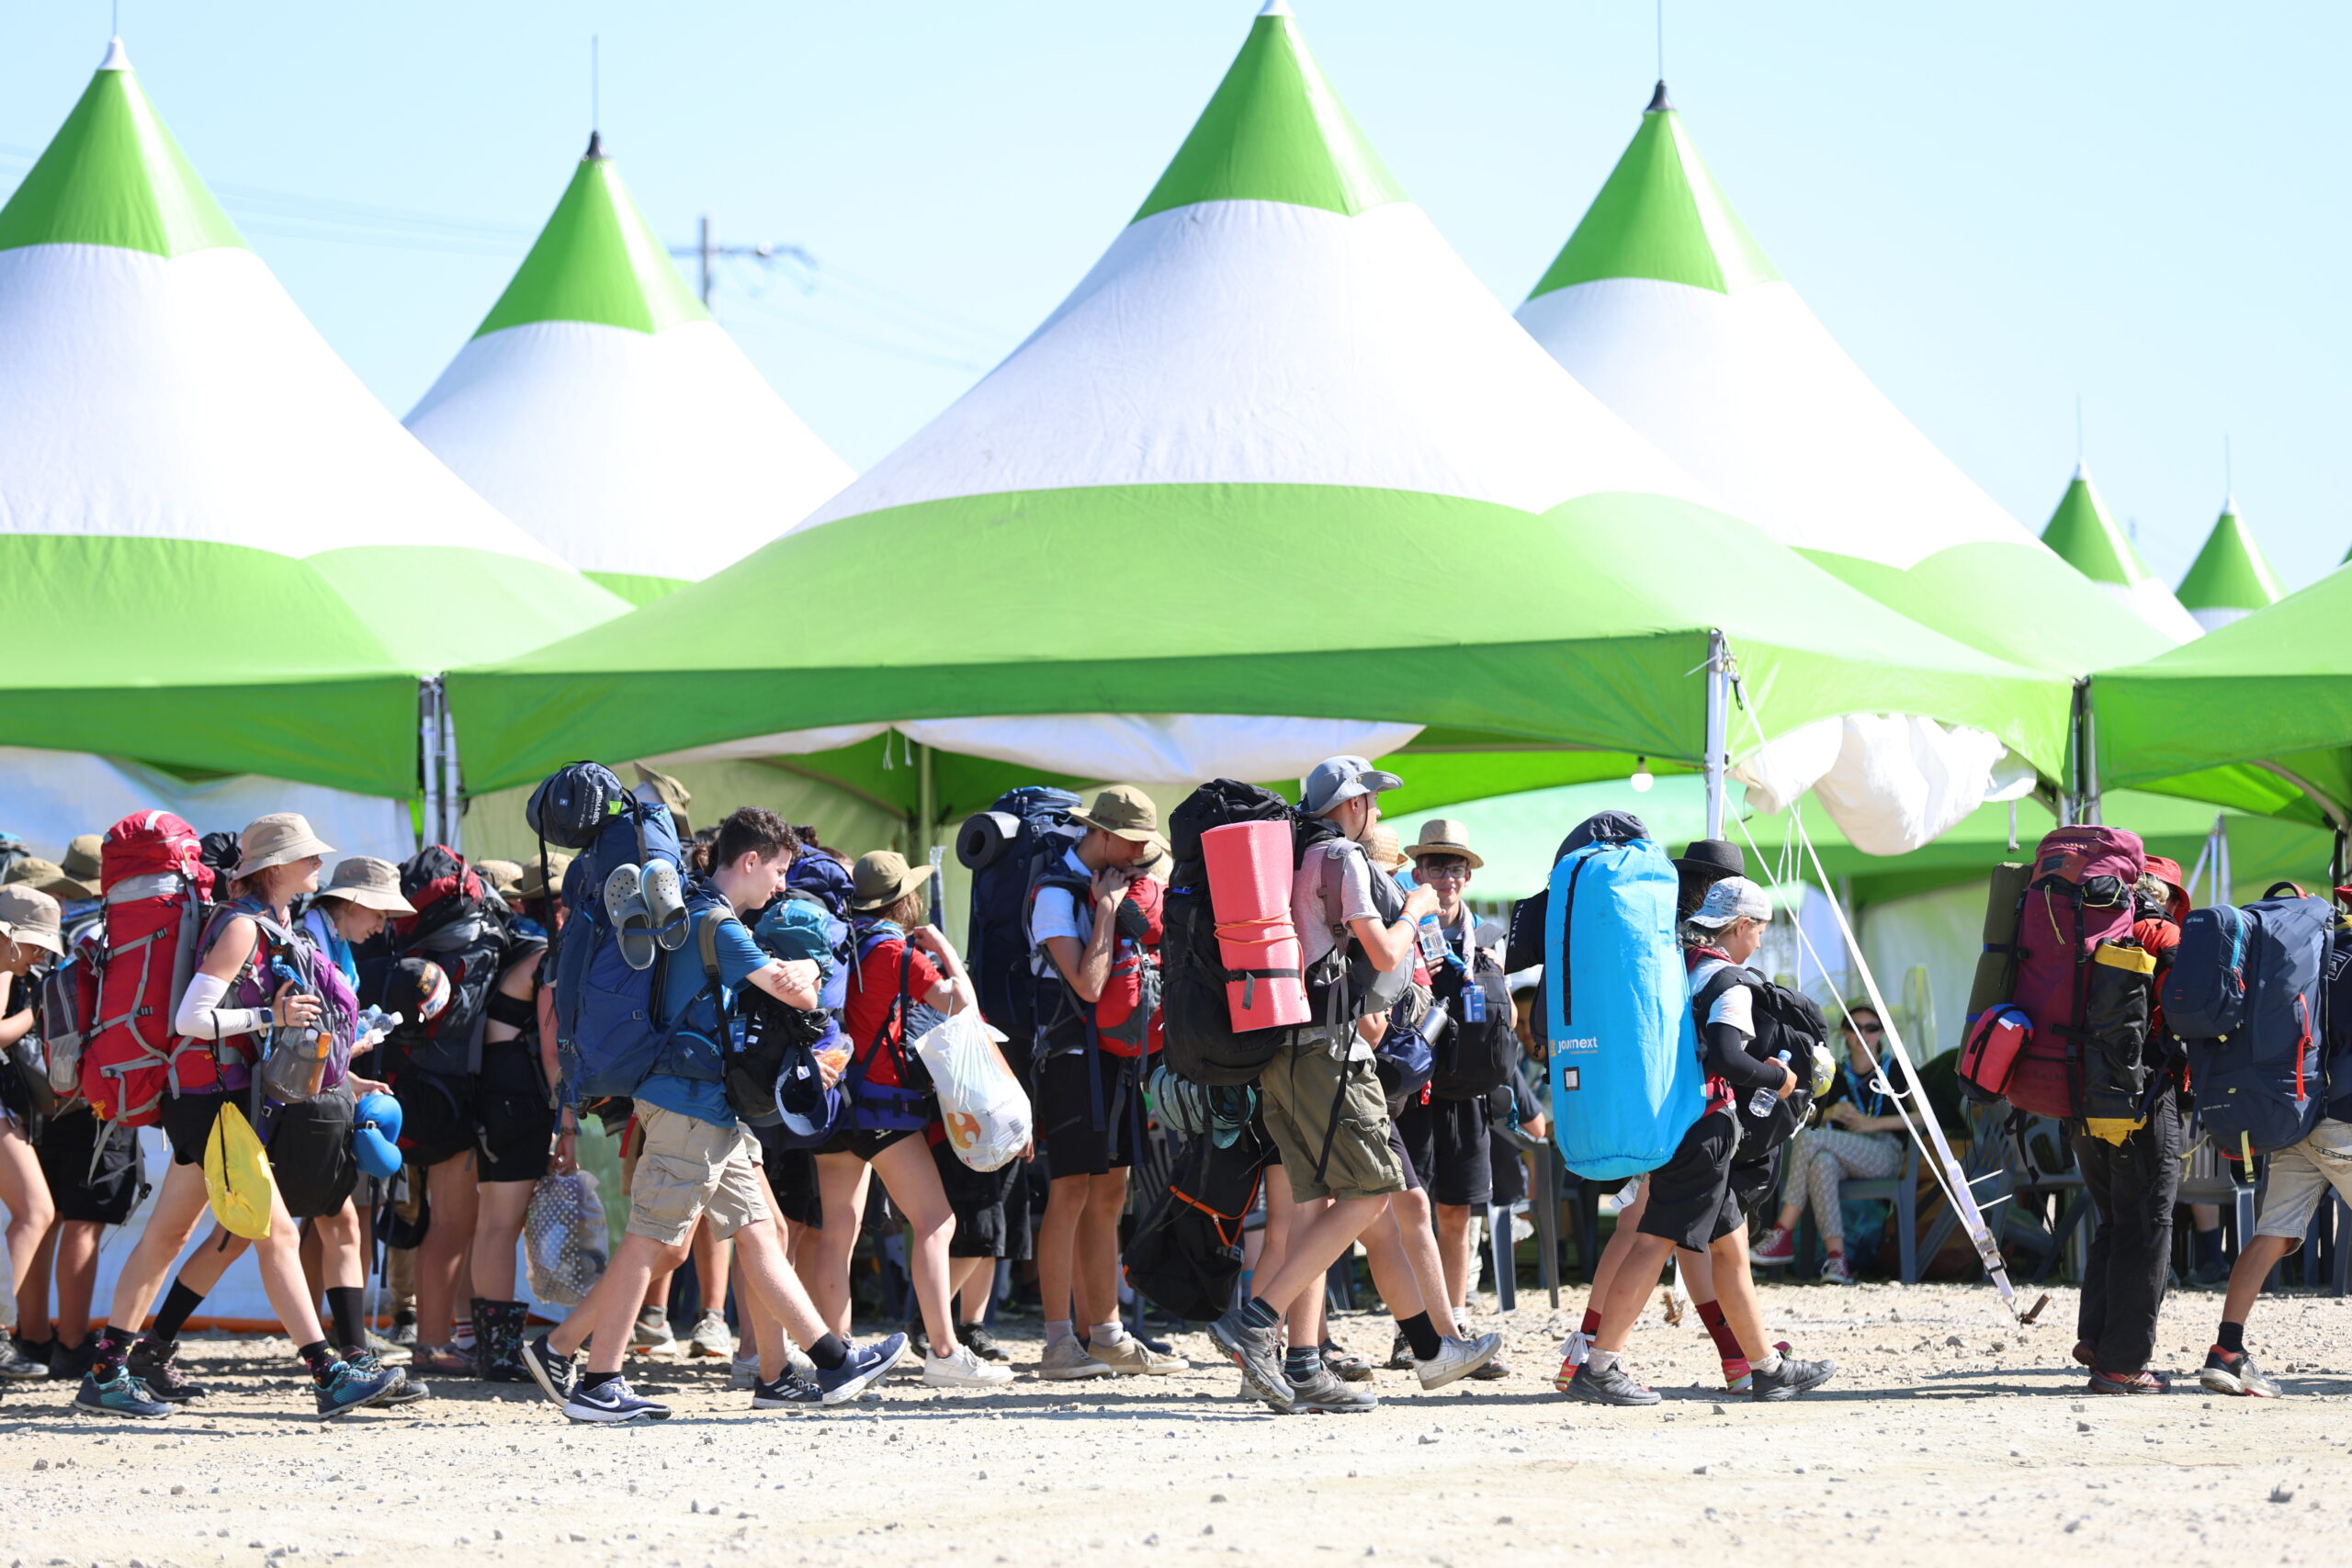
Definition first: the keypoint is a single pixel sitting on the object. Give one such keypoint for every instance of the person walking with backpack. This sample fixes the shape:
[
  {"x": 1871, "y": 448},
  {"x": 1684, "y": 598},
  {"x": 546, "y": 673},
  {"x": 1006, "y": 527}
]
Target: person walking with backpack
[
  {"x": 903, "y": 963},
  {"x": 248, "y": 946},
  {"x": 1691, "y": 1201},
  {"x": 1088, "y": 1104},
  {"x": 1322, "y": 1099},
  {"x": 699, "y": 1161},
  {"x": 31, "y": 933}
]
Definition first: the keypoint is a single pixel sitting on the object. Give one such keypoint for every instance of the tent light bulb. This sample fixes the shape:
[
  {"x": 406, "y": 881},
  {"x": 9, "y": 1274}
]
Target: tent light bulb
[{"x": 1642, "y": 779}]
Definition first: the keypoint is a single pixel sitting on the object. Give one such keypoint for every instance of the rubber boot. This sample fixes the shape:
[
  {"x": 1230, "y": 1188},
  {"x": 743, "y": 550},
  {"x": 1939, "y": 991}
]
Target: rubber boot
[{"x": 498, "y": 1341}]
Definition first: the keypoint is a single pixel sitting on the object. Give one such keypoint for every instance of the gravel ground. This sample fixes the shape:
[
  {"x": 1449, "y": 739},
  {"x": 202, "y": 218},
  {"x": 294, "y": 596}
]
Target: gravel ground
[{"x": 1948, "y": 1434}]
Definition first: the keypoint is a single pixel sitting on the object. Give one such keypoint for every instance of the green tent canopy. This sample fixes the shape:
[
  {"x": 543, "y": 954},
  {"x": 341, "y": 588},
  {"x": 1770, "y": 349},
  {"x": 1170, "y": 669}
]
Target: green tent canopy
[
  {"x": 2231, "y": 578},
  {"x": 1139, "y": 541},
  {"x": 2086, "y": 536}
]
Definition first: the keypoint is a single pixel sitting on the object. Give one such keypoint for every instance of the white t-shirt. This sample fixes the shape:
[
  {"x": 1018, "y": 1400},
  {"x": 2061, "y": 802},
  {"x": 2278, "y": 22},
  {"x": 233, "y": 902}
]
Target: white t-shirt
[
  {"x": 1736, "y": 1006},
  {"x": 1060, "y": 911}
]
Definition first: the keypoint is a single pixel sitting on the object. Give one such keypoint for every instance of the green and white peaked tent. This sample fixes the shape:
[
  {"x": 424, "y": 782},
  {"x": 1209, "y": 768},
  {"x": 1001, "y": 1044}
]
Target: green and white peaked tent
[
  {"x": 1152, "y": 543},
  {"x": 1663, "y": 305},
  {"x": 599, "y": 406},
  {"x": 227, "y": 555},
  {"x": 2087, "y": 537},
  {"x": 2231, "y": 578}
]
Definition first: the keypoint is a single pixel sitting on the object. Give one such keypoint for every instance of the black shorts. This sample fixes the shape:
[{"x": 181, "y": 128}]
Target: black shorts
[
  {"x": 866, "y": 1145},
  {"x": 309, "y": 1153},
  {"x": 511, "y": 1114},
  {"x": 792, "y": 1179},
  {"x": 436, "y": 1116},
  {"x": 1446, "y": 1140},
  {"x": 187, "y": 1121},
  {"x": 1395, "y": 1147},
  {"x": 983, "y": 1201},
  {"x": 1691, "y": 1197},
  {"x": 106, "y": 1197},
  {"x": 1066, "y": 1109},
  {"x": 1753, "y": 1181}
]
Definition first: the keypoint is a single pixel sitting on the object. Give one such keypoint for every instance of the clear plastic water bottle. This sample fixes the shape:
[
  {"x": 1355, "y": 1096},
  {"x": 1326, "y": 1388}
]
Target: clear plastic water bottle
[
  {"x": 1760, "y": 1104},
  {"x": 1432, "y": 943}
]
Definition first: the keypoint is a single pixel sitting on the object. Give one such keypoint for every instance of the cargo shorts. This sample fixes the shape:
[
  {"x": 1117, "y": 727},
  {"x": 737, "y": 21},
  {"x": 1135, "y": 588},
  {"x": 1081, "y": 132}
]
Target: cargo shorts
[
  {"x": 688, "y": 1170},
  {"x": 1297, "y": 1093},
  {"x": 2300, "y": 1175}
]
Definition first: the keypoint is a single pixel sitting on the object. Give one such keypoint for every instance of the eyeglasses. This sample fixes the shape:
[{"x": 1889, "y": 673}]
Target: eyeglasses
[{"x": 1453, "y": 870}]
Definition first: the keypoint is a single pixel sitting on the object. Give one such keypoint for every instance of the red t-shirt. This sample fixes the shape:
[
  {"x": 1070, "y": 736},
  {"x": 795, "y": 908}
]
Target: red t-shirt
[{"x": 872, "y": 989}]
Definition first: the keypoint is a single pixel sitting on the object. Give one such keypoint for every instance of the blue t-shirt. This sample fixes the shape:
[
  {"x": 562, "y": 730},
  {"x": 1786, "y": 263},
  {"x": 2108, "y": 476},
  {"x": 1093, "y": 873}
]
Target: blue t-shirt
[{"x": 692, "y": 1079}]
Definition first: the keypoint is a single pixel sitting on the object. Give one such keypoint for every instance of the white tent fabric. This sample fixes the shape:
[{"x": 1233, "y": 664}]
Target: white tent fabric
[{"x": 47, "y": 797}]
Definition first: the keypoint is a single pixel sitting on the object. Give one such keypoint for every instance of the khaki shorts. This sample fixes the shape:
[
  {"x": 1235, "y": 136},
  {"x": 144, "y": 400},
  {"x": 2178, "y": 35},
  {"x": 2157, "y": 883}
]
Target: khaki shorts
[
  {"x": 1297, "y": 1093},
  {"x": 2300, "y": 1175},
  {"x": 689, "y": 1169}
]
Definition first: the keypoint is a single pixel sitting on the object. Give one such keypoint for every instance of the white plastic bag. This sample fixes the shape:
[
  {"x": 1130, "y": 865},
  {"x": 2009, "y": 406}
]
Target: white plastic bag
[
  {"x": 564, "y": 1239},
  {"x": 980, "y": 1101}
]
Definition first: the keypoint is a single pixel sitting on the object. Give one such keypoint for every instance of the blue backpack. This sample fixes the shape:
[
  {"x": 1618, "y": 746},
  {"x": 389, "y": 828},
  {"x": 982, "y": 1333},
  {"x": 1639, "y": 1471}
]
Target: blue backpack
[
  {"x": 2246, "y": 995},
  {"x": 608, "y": 1034},
  {"x": 1003, "y": 848},
  {"x": 821, "y": 880},
  {"x": 1626, "y": 1082}
]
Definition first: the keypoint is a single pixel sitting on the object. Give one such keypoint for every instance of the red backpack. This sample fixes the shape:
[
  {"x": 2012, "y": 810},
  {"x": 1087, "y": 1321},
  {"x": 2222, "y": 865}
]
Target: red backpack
[
  {"x": 1126, "y": 1016},
  {"x": 2077, "y": 902},
  {"x": 157, "y": 890}
]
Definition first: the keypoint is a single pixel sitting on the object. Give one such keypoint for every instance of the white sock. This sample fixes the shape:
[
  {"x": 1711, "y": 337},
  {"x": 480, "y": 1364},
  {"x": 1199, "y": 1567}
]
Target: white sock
[
  {"x": 1109, "y": 1333},
  {"x": 1600, "y": 1361},
  {"x": 1770, "y": 1364},
  {"x": 1057, "y": 1332}
]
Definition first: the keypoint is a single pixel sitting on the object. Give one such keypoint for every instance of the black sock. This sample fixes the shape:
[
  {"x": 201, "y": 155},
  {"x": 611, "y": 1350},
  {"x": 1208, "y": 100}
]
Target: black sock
[
  {"x": 589, "y": 1381},
  {"x": 350, "y": 1319},
  {"x": 173, "y": 1315},
  {"x": 1257, "y": 1314},
  {"x": 1421, "y": 1334},
  {"x": 112, "y": 1349},
  {"x": 2207, "y": 1246},
  {"x": 2232, "y": 1338},
  {"x": 319, "y": 1358},
  {"x": 829, "y": 1352},
  {"x": 1299, "y": 1363}
]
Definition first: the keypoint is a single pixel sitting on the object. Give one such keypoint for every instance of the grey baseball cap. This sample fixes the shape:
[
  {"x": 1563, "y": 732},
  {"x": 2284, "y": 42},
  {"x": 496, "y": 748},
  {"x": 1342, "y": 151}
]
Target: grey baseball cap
[
  {"x": 1733, "y": 899},
  {"x": 1335, "y": 779}
]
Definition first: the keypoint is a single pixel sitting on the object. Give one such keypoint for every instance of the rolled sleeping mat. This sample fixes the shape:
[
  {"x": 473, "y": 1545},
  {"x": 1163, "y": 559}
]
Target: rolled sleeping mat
[
  {"x": 983, "y": 838},
  {"x": 1249, "y": 866},
  {"x": 1996, "y": 966}
]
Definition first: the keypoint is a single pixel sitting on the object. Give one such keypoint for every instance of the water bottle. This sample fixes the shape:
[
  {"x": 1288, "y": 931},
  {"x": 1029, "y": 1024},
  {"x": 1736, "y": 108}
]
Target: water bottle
[
  {"x": 1473, "y": 1001},
  {"x": 1760, "y": 1104},
  {"x": 1434, "y": 949}
]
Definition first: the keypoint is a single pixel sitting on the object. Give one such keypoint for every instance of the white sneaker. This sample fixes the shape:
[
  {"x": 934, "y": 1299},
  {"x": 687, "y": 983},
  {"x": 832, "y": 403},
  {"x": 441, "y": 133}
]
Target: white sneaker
[
  {"x": 963, "y": 1370},
  {"x": 710, "y": 1340},
  {"x": 1067, "y": 1359},
  {"x": 1457, "y": 1359},
  {"x": 1133, "y": 1357}
]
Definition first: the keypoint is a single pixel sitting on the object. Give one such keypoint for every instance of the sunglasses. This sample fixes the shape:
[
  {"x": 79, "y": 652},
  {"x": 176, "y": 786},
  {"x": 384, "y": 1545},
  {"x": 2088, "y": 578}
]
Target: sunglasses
[{"x": 1870, "y": 1028}]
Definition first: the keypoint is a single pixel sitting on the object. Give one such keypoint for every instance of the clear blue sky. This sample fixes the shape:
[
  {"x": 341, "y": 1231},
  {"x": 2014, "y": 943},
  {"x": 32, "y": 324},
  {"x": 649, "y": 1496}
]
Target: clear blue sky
[{"x": 1995, "y": 208}]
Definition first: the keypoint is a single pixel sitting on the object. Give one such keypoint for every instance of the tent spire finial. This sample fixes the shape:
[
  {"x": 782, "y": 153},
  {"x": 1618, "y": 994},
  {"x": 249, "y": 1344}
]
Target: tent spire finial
[{"x": 1659, "y": 103}]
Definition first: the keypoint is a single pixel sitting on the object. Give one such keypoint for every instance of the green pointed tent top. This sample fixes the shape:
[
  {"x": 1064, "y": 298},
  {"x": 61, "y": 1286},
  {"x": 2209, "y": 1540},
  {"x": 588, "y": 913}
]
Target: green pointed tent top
[
  {"x": 1275, "y": 132},
  {"x": 112, "y": 175},
  {"x": 1661, "y": 215},
  {"x": 2230, "y": 572},
  {"x": 2084, "y": 534},
  {"x": 597, "y": 260}
]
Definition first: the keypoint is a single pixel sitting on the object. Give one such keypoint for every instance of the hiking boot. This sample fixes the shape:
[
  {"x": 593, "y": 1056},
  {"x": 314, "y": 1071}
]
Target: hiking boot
[
  {"x": 612, "y": 1404},
  {"x": 651, "y": 1337},
  {"x": 390, "y": 1352},
  {"x": 156, "y": 1364},
  {"x": 2131, "y": 1382},
  {"x": 403, "y": 1391},
  {"x": 121, "y": 1395},
  {"x": 1400, "y": 1354},
  {"x": 1258, "y": 1352},
  {"x": 632, "y": 932},
  {"x": 1775, "y": 1248},
  {"x": 1066, "y": 1360},
  {"x": 789, "y": 1391},
  {"x": 71, "y": 1364},
  {"x": 1132, "y": 1358},
  {"x": 1319, "y": 1393},
  {"x": 981, "y": 1343},
  {"x": 1345, "y": 1365},
  {"x": 16, "y": 1362},
  {"x": 1791, "y": 1378},
  {"x": 1457, "y": 1357},
  {"x": 552, "y": 1370},
  {"x": 1835, "y": 1270},
  {"x": 710, "y": 1340},
  {"x": 665, "y": 905},
  {"x": 498, "y": 1351},
  {"x": 866, "y": 1365},
  {"x": 963, "y": 1370},
  {"x": 2225, "y": 1373},
  {"x": 403, "y": 1326},
  {"x": 1609, "y": 1385},
  {"x": 348, "y": 1387}
]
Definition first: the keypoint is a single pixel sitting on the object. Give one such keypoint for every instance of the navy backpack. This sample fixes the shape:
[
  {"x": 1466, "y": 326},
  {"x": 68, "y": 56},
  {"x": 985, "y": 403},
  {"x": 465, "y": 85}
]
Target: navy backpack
[
  {"x": 2246, "y": 995},
  {"x": 608, "y": 1033}
]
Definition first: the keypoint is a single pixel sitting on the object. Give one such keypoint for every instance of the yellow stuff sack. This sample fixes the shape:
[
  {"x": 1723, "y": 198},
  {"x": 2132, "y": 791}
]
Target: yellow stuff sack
[{"x": 236, "y": 1175}]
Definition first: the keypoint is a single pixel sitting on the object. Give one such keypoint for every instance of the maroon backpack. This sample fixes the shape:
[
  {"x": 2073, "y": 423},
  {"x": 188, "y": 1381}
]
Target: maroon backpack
[{"x": 2078, "y": 897}]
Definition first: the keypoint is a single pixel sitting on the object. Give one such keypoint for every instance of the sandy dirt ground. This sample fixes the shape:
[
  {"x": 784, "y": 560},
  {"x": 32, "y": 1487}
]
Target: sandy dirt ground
[{"x": 1950, "y": 1435}]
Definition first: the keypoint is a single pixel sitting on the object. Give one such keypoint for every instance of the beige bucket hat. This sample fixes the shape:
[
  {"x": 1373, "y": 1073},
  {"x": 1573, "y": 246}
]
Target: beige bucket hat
[
  {"x": 280, "y": 838},
  {"x": 369, "y": 883},
  {"x": 29, "y": 917},
  {"x": 883, "y": 877},
  {"x": 50, "y": 878}
]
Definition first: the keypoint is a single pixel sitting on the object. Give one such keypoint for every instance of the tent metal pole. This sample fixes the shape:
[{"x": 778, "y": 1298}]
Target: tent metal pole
[
  {"x": 428, "y": 743},
  {"x": 453, "y": 791},
  {"x": 1718, "y": 722}
]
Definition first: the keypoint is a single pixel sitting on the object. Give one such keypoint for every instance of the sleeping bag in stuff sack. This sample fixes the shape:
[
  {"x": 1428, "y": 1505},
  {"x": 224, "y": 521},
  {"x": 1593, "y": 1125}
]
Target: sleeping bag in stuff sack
[{"x": 1626, "y": 1080}]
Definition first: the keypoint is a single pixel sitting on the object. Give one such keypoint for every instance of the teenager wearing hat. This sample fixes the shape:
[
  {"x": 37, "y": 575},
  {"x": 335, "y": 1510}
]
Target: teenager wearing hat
[
  {"x": 233, "y": 1001},
  {"x": 30, "y": 935},
  {"x": 1085, "y": 1109},
  {"x": 48, "y": 876}
]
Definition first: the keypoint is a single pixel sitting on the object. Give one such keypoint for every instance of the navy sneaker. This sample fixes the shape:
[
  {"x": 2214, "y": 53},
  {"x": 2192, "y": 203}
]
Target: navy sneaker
[
  {"x": 350, "y": 1386},
  {"x": 2225, "y": 1373},
  {"x": 789, "y": 1391},
  {"x": 555, "y": 1373},
  {"x": 610, "y": 1403},
  {"x": 866, "y": 1364},
  {"x": 121, "y": 1395}
]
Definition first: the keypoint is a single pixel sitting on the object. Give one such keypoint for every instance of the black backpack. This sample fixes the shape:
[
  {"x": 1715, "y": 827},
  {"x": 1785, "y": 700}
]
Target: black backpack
[
  {"x": 1186, "y": 1254},
  {"x": 571, "y": 806},
  {"x": 1202, "y": 1043},
  {"x": 1474, "y": 1059},
  {"x": 1003, "y": 847},
  {"x": 1785, "y": 1020}
]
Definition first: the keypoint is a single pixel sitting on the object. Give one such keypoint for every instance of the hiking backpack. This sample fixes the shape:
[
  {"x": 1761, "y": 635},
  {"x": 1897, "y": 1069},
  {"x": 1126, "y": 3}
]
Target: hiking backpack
[
  {"x": 1626, "y": 1082},
  {"x": 1786, "y": 1021},
  {"x": 1203, "y": 1045},
  {"x": 906, "y": 1105},
  {"x": 455, "y": 928},
  {"x": 1186, "y": 1254},
  {"x": 2071, "y": 1037},
  {"x": 2246, "y": 994},
  {"x": 158, "y": 892},
  {"x": 608, "y": 1034},
  {"x": 65, "y": 1006},
  {"x": 818, "y": 878},
  {"x": 1476, "y": 1055},
  {"x": 1004, "y": 848},
  {"x": 1128, "y": 1020}
]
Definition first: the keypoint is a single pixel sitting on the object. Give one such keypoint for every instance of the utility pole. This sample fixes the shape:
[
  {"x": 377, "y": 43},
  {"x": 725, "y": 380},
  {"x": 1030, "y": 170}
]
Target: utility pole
[{"x": 707, "y": 250}]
